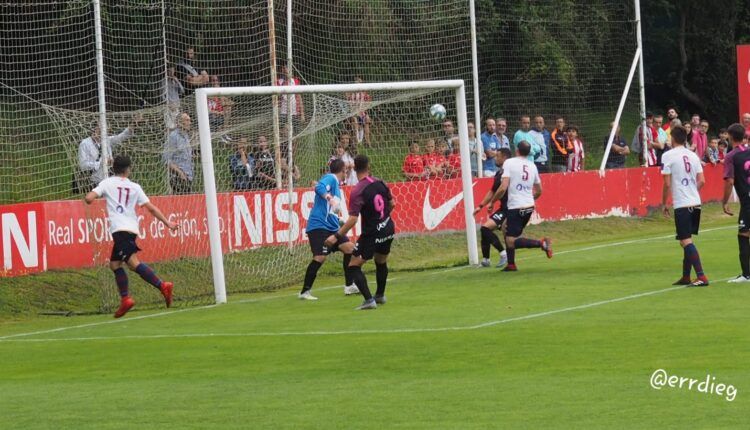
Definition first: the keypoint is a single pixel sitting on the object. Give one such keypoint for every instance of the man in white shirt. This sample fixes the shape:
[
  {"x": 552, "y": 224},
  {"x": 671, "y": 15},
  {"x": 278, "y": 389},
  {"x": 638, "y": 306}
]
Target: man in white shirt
[
  {"x": 92, "y": 167},
  {"x": 122, "y": 197},
  {"x": 683, "y": 178},
  {"x": 521, "y": 181}
]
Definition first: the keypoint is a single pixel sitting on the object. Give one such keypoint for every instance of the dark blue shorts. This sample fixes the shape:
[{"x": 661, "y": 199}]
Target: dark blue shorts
[{"x": 687, "y": 221}]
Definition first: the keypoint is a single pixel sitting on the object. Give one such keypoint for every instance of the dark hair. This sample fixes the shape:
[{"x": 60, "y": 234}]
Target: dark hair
[
  {"x": 505, "y": 152},
  {"x": 649, "y": 115},
  {"x": 679, "y": 134},
  {"x": 571, "y": 128},
  {"x": 736, "y": 132},
  {"x": 524, "y": 148},
  {"x": 336, "y": 166},
  {"x": 722, "y": 130},
  {"x": 120, "y": 164},
  {"x": 361, "y": 163}
]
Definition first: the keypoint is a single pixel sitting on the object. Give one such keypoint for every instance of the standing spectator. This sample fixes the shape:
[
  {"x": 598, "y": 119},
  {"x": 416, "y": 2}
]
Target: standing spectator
[
  {"x": 524, "y": 134},
  {"x": 661, "y": 135},
  {"x": 646, "y": 139},
  {"x": 361, "y": 120},
  {"x": 712, "y": 152},
  {"x": 286, "y": 171},
  {"x": 672, "y": 115},
  {"x": 689, "y": 129},
  {"x": 501, "y": 130},
  {"x": 575, "y": 150},
  {"x": 290, "y": 103},
  {"x": 92, "y": 169},
  {"x": 700, "y": 139},
  {"x": 746, "y": 121},
  {"x": 343, "y": 153},
  {"x": 449, "y": 135},
  {"x": 242, "y": 167},
  {"x": 265, "y": 166},
  {"x": 189, "y": 73},
  {"x": 618, "y": 152},
  {"x": 543, "y": 139},
  {"x": 433, "y": 161},
  {"x": 217, "y": 111},
  {"x": 413, "y": 168},
  {"x": 178, "y": 156},
  {"x": 559, "y": 141},
  {"x": 491, "y": 145},
  {"x": 473, "y": 157},
  {"x": 695, "y": 121},
  {"x": 174, "y": 91}
]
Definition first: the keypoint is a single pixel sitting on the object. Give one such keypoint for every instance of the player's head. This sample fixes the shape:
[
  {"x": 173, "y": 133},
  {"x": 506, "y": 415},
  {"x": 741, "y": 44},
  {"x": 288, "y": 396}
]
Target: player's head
[
  {"x": 523, "y": 149},
  {"x": 362, "y": 165},
  {"x": 337, "y": 167},
  {"x": 121, "y": 165},
  {"x": 736, "y": 133},
  {"x": 679, "y": 135},
  {"x": 502, "y": 155}
]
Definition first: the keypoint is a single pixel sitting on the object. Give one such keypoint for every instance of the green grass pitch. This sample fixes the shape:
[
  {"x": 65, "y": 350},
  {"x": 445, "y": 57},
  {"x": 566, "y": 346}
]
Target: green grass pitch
[{"x": 566, "y": 343}]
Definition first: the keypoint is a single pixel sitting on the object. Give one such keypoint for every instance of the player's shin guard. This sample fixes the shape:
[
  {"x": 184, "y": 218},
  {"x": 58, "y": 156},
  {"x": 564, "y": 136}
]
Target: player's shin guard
[
  {"x": 511, "y": 256},
  {"x": 148, "y": 275},
  {"x": 310, "y": 275},
  {"x": 347, "y": 278},
  {"x": 121, "y": 278},
  {"x": 359, "y": 279},
  {"x": 691, "y": 253},
  {"x": 381, "y": 276},
  {"x": 527, "y": 243},
  {"x": 744, "y": 243},
  {"x": 687, "y": 267}
]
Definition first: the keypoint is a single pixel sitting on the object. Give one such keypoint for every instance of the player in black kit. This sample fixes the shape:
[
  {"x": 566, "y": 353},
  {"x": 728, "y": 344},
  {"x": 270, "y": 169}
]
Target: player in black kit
[
  {"x": 497, "y": 217},
  {"x": 737, "y": 175},
  {"x": 371, "y": 199}
]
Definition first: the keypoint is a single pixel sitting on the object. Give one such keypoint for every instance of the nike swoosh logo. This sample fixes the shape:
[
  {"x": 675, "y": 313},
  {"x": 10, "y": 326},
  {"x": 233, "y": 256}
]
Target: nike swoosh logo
[{"x": 433, "y": 217}]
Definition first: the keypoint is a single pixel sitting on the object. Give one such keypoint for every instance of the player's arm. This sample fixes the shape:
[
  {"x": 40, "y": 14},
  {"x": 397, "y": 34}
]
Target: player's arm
[
  {"x": 502, "y": 190},
  {"x": 728, "y": 185},
  {"x": 159, "y": 215},
  {"x": 665, "y": 192},
  {"x": 700, "y": 180},
  {"x": 90, "y": 197},
  {"x": 488, "y": 199},
  {"x": 537, "y": 190}
]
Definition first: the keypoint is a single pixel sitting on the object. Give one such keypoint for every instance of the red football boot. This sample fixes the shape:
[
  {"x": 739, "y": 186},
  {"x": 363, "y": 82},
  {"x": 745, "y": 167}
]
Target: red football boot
[
  {"x": 166, "y": 291},
  {"x": 126, "y": 303},
  {"x": 547, "y": 246}
]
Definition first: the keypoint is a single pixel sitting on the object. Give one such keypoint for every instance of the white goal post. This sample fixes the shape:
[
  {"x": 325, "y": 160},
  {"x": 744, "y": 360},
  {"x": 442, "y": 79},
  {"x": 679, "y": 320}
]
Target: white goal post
[{"x": 207, "y": 161}]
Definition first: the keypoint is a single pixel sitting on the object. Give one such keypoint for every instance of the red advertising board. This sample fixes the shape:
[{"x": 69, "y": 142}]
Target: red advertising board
[
  {"x": 743, "y": 78},
  {"x": 70, "y": 234}
]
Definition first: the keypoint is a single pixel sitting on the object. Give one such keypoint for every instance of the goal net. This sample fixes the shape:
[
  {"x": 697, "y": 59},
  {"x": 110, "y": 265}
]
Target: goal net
[{"x": 257, "y": 220}]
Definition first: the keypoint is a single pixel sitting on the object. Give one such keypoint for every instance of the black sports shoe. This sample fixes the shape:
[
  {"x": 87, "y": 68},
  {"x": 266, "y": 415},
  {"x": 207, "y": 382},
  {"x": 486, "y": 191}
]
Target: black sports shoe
[{"x": 683, "y": 281}]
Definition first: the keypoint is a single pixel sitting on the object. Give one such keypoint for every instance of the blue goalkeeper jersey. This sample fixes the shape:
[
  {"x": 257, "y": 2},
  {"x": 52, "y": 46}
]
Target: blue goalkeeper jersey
[{"x": 321, "y": 215}]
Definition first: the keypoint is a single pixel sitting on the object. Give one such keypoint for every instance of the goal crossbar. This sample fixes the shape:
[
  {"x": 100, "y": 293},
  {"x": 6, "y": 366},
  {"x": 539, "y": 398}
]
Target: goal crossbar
[{"x": 207, "y": 162}]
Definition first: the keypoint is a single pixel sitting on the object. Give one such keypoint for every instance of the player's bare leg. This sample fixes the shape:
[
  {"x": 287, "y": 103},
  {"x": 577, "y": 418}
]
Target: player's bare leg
[
  {"x": 691, "y": 260},
  {"x": 148, "y": 275},
  {"x": 355, "y": 270},
  {"x": 381, "y": 277}
]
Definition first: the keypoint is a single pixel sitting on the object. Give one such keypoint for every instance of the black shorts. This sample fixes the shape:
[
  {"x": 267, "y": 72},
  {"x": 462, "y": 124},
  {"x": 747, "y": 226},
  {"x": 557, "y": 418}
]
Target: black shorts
[
  {"x": 124, "y": 246},
  {"x": 687, "y": 221},
  {"x": 368, "y": 246},
  {"x": 743, "y": 222},
  {"x": 317, "y": 239},
  {"x": 517, "y": 220},
  {"x": 499, "y": 217}
]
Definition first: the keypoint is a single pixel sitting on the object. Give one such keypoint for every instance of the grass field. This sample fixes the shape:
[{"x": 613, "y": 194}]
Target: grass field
[{"x": 566, "y": 343}]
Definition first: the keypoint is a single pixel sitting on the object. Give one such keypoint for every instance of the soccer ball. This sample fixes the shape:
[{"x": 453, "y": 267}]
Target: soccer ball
[{"x": 437, "y": 112}]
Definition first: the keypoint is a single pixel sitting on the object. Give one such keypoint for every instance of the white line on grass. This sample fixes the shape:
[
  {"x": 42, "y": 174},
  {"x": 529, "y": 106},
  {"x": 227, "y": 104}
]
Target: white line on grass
[
  {"x": 159, "y": 314},
  {"x": 363, "y": 332}
]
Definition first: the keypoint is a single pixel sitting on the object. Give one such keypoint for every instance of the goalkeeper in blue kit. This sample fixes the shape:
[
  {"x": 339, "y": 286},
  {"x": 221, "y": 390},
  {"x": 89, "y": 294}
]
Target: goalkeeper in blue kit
[{"x": 324, "y": 222}]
